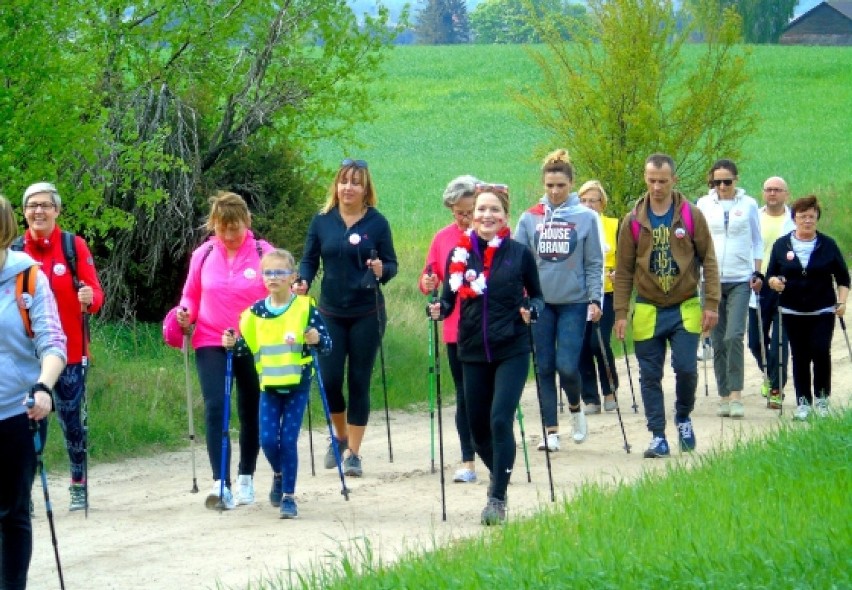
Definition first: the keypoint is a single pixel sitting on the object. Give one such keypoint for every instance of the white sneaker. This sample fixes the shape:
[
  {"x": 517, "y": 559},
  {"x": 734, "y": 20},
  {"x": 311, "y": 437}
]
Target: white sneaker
[
  {"x": 212, "y": 499},
  {"x": 821, "y": 407},
  {"x": 803, "y": 410},
  {"x": 245, "y": 490},
  {"x": 552, "y": 442},
  {"x": 464, "y": 475},
  {"x": 578, "y": 427}
]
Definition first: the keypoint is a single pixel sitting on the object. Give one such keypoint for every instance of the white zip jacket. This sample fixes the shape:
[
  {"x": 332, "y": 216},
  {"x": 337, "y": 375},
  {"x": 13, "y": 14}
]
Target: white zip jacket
[{"x": 736, "y": 234}]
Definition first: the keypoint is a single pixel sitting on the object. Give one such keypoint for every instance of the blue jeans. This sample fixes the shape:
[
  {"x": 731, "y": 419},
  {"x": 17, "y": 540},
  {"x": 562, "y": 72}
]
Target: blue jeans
[
  {"x": 558, "y": 335},
  {"x": 592, "y": 353},
  {"x": 651, "y": 354},
  {"x": 280, "y": 422},
  {"x": 768, "y": 303}
]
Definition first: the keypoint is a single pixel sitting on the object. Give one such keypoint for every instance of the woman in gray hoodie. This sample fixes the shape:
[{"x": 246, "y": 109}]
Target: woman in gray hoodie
[
  {"x": 30, "y": 367},
  {"x": 564, "y": 236}
]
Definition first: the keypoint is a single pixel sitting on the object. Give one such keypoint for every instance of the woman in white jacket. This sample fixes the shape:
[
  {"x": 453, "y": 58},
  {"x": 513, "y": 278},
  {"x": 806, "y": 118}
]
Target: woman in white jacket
[{"x": 734, "y": 223}]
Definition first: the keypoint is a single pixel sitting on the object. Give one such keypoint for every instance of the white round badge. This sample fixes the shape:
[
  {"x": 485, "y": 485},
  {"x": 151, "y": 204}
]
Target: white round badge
[
  {"x": 354, "y": 239},
  {"x": 59, "y": 269},
  {"x": 250, "y": 273},
  {"x": 680, "y": 233},
  {"x": 790, "y": 255}
]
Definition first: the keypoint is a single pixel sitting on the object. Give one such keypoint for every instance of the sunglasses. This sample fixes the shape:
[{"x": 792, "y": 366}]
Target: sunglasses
[
  {"x": 721, "y": 181},
  {"x": 350, "y": 163},
  {"x": 276, "y": 273},
  {"x": 484, "y": 187}
]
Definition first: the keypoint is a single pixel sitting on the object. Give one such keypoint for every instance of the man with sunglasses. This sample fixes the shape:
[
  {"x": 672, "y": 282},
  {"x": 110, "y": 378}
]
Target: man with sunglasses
[{"x": 775, "y": 221}]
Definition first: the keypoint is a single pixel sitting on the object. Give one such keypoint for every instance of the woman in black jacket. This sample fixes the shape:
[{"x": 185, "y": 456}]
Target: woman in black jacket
[
  {"x": 804, "y": 267},
  {"x": 490, "y": 276},
  {"x": 354, "y": 243}
]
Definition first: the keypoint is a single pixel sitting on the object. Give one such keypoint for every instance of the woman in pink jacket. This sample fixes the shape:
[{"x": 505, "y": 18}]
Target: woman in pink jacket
[
  {"x": 459, "y": 197},
  {"x": 224, "y": 279}
]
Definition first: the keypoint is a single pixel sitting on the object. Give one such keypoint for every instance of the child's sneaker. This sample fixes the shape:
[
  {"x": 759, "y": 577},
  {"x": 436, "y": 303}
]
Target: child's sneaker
[
  {"x": 288, "y": 507},
  {"x": 552, "y": 442},
  {"x": 494, "y": 512},
  {"x": 465, "y": 475},
  {"x": 659, "y": 447},
  {"x": 803, "y": 410},
  {"x": 685, "y": 434},
  {"x": 245, "y": 490},
  {"x": 276, "y": 491},
  {"x": 78, "y": 496},
  {"x": 821, "y": 407},
  {"x": 212, "y": 501}
]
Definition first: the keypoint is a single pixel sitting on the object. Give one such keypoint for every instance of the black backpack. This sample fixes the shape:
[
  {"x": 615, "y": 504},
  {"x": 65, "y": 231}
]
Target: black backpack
[{"x": 69, "y": 250}]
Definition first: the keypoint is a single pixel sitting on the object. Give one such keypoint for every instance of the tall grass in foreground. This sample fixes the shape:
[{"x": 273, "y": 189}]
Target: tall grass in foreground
[{"x": 774, "y": 513}]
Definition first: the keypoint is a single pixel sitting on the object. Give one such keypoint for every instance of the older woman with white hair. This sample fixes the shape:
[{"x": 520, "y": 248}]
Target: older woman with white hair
[{"x": 459, "y": 197}]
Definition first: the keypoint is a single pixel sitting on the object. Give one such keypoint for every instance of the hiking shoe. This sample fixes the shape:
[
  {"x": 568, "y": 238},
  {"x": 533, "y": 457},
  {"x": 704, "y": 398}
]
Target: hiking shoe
[
  {"x": 288, "y": 507},
  {"x": 821, "y": 407},
  {"x": 685, "y": 434},
  {"x": 659, "y": 447},
  {"x": 552, "y": 442},
  {"x": 737, "y": 409},
  {"x": 212, "y": 501},
  {"x": 764, "y": 389},
  {"x": 592, "y": 409},
  {"x": 78, "y": 496},
  {"x": 494, "y": 512},
  {"x": 803, "y": 410},
  {"x": 579, "y": 429},
  {"x": 330, "y": 458},
  {"x": 724, "y": 409},
  {"x": 276, "y": 491},
  {"x": 245, "y": 490},
  {"x": 775, "y": 400},
  {"x": 352, "y": 466},
  {"x": 465, "y": 475},
  {"x": 610, "y": 405}
]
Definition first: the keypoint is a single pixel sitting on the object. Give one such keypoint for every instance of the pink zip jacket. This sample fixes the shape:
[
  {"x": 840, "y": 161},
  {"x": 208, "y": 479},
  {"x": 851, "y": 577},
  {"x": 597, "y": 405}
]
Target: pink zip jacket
[
  {"x": 217, "y": 290},
  {"x": 439, "y": 253}
]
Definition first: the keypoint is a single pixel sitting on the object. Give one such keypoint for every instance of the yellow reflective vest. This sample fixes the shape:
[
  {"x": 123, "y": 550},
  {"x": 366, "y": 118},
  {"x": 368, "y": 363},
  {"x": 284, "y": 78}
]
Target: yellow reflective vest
[{"x": 278, "y": 343}]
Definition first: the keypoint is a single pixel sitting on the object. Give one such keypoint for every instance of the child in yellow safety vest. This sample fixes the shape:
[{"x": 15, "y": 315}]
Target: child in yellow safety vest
[{"x": 277, "y": 331}]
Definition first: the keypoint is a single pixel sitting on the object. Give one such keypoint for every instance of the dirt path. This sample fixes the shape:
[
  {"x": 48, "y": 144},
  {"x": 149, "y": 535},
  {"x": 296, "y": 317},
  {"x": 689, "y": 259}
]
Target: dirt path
[{"x": 147, "y": 531}]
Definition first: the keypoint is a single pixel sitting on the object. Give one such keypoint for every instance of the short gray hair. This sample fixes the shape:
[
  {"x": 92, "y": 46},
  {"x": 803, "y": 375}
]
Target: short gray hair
[
  {"x": 43, "y": 187},
  {"x": 460, "y": 187}
]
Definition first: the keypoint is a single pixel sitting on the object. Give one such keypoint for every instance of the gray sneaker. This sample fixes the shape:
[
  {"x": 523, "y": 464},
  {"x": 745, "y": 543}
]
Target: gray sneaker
[
  {"x": 78, "y": 496},
  {"x": 352, "y": 466},
  {"x": 330, "y": 459},
  {"x": 494, "y": 512}
]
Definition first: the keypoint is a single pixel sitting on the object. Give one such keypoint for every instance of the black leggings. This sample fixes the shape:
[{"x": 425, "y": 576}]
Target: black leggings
[
  {"x": 462, "y": 423},
  {"x": 358, "y": 339},
  {"x": 492, "y": 392},
  {"x": 210, "y": 362},
  {"x": 17, "y": 466}
]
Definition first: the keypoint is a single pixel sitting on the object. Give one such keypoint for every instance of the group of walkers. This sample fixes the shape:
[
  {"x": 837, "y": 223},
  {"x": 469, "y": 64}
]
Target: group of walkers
[{"x": 557, "y": 289}]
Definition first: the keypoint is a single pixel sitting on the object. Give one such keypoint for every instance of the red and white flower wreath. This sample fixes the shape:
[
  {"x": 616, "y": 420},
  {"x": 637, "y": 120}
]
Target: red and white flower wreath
[{"x": 466, "y": 281}]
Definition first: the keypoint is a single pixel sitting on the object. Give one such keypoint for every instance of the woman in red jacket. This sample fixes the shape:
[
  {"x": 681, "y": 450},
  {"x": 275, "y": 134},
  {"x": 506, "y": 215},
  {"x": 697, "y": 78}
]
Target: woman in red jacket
[{"x": 75, "y": 296}]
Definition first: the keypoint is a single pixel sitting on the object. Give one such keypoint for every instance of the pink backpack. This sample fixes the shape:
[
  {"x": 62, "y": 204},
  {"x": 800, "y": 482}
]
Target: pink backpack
[{"x": 685, "y": 213}]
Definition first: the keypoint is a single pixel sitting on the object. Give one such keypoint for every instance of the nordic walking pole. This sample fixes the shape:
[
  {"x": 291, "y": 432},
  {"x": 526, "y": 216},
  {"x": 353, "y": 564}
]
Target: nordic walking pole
[
  {"x": 845, "y": 335},
  {"x": 311, "y": 438},
  {"x": 40, "y": 466},
  {"x": 704, "y": 361},
  {"x": 432, "y": 371},
  {"x": 373, "y": 256},
  {"x": 226, "y": 419},
  {"x": 540, "y": 407},
  {"x": 84, "y": 407},
  {"x": 561, "y": 399},
  {"x": 781, "y": 360},
  {"x": 611, "y": 384},
  {"x": 436, "y": 355},
  {"x": 629, "y": 376},
  {"x": 335, "y": 446},
  {"x": 524, "y": 442},
  {"x": 186, "y": 344},
  {"x": 762, "y": 350}
]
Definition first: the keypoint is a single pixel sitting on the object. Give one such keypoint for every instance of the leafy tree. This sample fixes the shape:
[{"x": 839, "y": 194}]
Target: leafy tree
[
  {"x": 442, "y": 22},
  {"x": 138, "y": 110},
  {"x": 622, "y": 91},
  {"x": 762, "y": 20},
  {"x": 512, "y": 21}
]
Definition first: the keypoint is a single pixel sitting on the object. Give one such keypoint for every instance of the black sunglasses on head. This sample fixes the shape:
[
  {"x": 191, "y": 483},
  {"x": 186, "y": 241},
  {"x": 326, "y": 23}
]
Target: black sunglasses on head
[{"x": 350, "y": 163}]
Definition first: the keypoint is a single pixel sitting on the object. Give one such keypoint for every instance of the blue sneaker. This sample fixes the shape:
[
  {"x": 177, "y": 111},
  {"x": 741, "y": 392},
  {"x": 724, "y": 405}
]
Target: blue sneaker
[
  {"x": 685, "y": 434},
  {"x": 288, "y": 507},
  {"x": 659, "y": 447}
]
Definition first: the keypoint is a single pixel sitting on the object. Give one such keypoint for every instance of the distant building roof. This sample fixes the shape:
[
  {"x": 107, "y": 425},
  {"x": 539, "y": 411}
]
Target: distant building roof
[{"x": 844, "y": 8}]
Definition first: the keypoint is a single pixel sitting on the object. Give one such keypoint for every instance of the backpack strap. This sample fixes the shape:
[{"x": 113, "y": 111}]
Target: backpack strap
[
  {"x": 69, "y": 250},
  {"x": 25, "y": 287},
  {"x": 17, "y": 244},
  {"x": 686, "y": 215},
  {"x": 635, "y": 228}
]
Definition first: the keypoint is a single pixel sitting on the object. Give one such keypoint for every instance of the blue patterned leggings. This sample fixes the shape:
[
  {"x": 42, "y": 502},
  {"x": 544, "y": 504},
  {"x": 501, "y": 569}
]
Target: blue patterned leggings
[{"x": 280, "y": 422}]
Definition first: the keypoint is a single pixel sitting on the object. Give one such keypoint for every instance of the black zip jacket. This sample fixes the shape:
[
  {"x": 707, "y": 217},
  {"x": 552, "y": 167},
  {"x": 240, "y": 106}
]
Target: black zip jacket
[
  {"x": 811, "y": 288},
  {"x": 348, "y": 284},
  {"x": 490, "y": 325}
]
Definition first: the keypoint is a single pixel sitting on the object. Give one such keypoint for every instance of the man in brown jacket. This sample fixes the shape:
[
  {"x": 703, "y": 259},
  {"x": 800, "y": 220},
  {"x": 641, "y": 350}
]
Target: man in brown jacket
[{"x": 662, "y": 245}]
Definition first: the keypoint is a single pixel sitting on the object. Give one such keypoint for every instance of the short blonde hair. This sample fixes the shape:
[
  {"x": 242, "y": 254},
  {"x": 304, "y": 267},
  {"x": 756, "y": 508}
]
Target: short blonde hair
[
  {"x": 8, "y": 223},
  {"x": 593, "y": 185},
  {"x": 280, "y": 254},
  {"x": 227, "y": 208}
]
